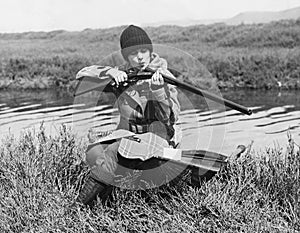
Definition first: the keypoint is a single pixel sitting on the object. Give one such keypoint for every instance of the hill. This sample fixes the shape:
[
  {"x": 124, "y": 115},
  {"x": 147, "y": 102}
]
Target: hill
[
  {"x": 242, "y": 18},
  {"x": 184, "y": 23},
  {"x": 264, "y": 17}
]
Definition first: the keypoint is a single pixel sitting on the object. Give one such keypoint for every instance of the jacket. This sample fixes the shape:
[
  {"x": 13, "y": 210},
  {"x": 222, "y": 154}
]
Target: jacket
[{"x": 141, "y": 108}]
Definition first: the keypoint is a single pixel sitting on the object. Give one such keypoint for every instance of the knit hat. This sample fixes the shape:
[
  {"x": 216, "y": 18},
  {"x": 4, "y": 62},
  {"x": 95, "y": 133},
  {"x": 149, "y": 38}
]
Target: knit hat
[{"x": 132, "y": 38}]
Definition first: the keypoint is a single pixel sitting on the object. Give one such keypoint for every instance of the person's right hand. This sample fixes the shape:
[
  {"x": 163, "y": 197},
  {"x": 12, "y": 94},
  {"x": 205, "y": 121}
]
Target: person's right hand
[{"x": 118, "y": 75}]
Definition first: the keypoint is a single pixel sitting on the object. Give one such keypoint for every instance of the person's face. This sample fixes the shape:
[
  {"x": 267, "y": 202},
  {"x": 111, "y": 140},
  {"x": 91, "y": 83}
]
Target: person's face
[{"x": 139, "y": 58}]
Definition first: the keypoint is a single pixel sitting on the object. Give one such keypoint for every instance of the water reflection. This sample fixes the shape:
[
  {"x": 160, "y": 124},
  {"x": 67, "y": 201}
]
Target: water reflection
[{"x": 273, "y": 116}]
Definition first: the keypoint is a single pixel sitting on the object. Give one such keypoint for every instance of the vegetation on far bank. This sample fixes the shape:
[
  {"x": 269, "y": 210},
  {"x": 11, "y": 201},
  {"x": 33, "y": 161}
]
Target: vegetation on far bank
[
  {"x": 251, "y": 56},
  {"x": 41, "y": 176}
]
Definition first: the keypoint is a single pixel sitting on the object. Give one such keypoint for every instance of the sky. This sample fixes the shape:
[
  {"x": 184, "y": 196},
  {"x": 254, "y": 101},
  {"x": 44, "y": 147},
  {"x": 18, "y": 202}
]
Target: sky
[{"x": 76, "y": 15}]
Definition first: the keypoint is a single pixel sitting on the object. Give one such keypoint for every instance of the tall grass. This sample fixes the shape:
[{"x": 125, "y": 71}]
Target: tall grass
[
  {"x": 40, "y": 176},
  {"x": 251, "y": 56}
]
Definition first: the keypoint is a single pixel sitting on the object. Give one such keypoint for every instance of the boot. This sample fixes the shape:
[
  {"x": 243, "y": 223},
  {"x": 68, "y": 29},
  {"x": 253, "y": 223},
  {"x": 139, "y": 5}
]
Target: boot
[
  {"x": 90, "y": 190},
  {"x": 195, "y": 179}
]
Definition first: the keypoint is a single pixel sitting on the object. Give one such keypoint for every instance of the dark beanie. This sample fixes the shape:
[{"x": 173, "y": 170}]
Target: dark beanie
[{"x": 132, "y": 38}]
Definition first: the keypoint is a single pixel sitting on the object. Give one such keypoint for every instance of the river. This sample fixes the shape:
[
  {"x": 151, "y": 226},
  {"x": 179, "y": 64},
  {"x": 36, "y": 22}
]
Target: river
[{"x": 203, "y": 126}]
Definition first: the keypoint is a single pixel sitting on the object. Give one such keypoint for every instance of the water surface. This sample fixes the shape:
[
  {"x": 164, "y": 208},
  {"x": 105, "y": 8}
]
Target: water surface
[{"x": 275, "y": 113}]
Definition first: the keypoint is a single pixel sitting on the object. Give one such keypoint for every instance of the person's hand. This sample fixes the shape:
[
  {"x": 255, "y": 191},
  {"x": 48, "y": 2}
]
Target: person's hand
[
  {"x": 118, "y": 75},
  {"x": 157, "y": 80}
]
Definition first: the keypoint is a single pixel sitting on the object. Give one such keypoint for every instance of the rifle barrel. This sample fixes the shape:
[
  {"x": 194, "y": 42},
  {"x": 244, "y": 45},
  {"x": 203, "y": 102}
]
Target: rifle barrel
[{"x": 205, "y": 94}]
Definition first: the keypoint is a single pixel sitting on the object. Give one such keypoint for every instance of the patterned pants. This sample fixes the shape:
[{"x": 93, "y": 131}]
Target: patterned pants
[{"x": 109, "y": 167}]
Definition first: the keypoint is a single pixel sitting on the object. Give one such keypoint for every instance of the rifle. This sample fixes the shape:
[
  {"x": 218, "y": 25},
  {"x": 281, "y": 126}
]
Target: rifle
[{"x": 133, "y": 77}]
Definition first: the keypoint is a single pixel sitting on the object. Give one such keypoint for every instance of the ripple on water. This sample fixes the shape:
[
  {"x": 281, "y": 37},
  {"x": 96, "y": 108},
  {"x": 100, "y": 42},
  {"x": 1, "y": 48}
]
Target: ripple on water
[{"x": 214, "y": 130}]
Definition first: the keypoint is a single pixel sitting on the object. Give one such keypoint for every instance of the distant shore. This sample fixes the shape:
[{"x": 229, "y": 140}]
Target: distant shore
[{"x": 256, "y": 56}]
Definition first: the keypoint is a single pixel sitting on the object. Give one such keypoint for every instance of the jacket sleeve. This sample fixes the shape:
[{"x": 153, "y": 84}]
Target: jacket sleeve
[
  {"x": 166, "y": 104},
  {"x": 94, "y": 71},
  {"x": 94, "y": 76}
]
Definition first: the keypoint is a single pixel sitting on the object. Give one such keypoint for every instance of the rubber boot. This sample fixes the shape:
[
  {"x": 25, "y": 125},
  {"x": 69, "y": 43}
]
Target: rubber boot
[
  {"x": 91, "y": 189},
  {"x": 195, "y": 179}
]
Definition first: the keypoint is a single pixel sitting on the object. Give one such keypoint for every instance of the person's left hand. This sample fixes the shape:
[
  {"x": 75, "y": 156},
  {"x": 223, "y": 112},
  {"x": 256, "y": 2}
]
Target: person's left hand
[{"x": 157, "y": 81}]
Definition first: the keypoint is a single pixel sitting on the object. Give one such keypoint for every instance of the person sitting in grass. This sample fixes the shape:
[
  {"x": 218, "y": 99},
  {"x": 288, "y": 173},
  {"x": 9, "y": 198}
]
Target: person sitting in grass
[{"x": 150, "y": 105}]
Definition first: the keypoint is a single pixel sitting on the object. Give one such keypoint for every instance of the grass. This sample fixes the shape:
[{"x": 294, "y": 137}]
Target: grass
[
  {"x": 41, "y": 175},
  {"x": 243, "y": 56}
]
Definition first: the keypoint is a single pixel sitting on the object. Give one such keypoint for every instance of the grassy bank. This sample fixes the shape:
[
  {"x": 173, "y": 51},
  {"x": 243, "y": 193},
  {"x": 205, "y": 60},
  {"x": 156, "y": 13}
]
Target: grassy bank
[
  {"x": 244, "y": 56},
  {"x": 41, "y": 175}
]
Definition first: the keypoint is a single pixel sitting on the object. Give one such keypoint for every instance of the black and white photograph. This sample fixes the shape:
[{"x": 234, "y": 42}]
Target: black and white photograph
[{"x": 149, "y": 116}]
